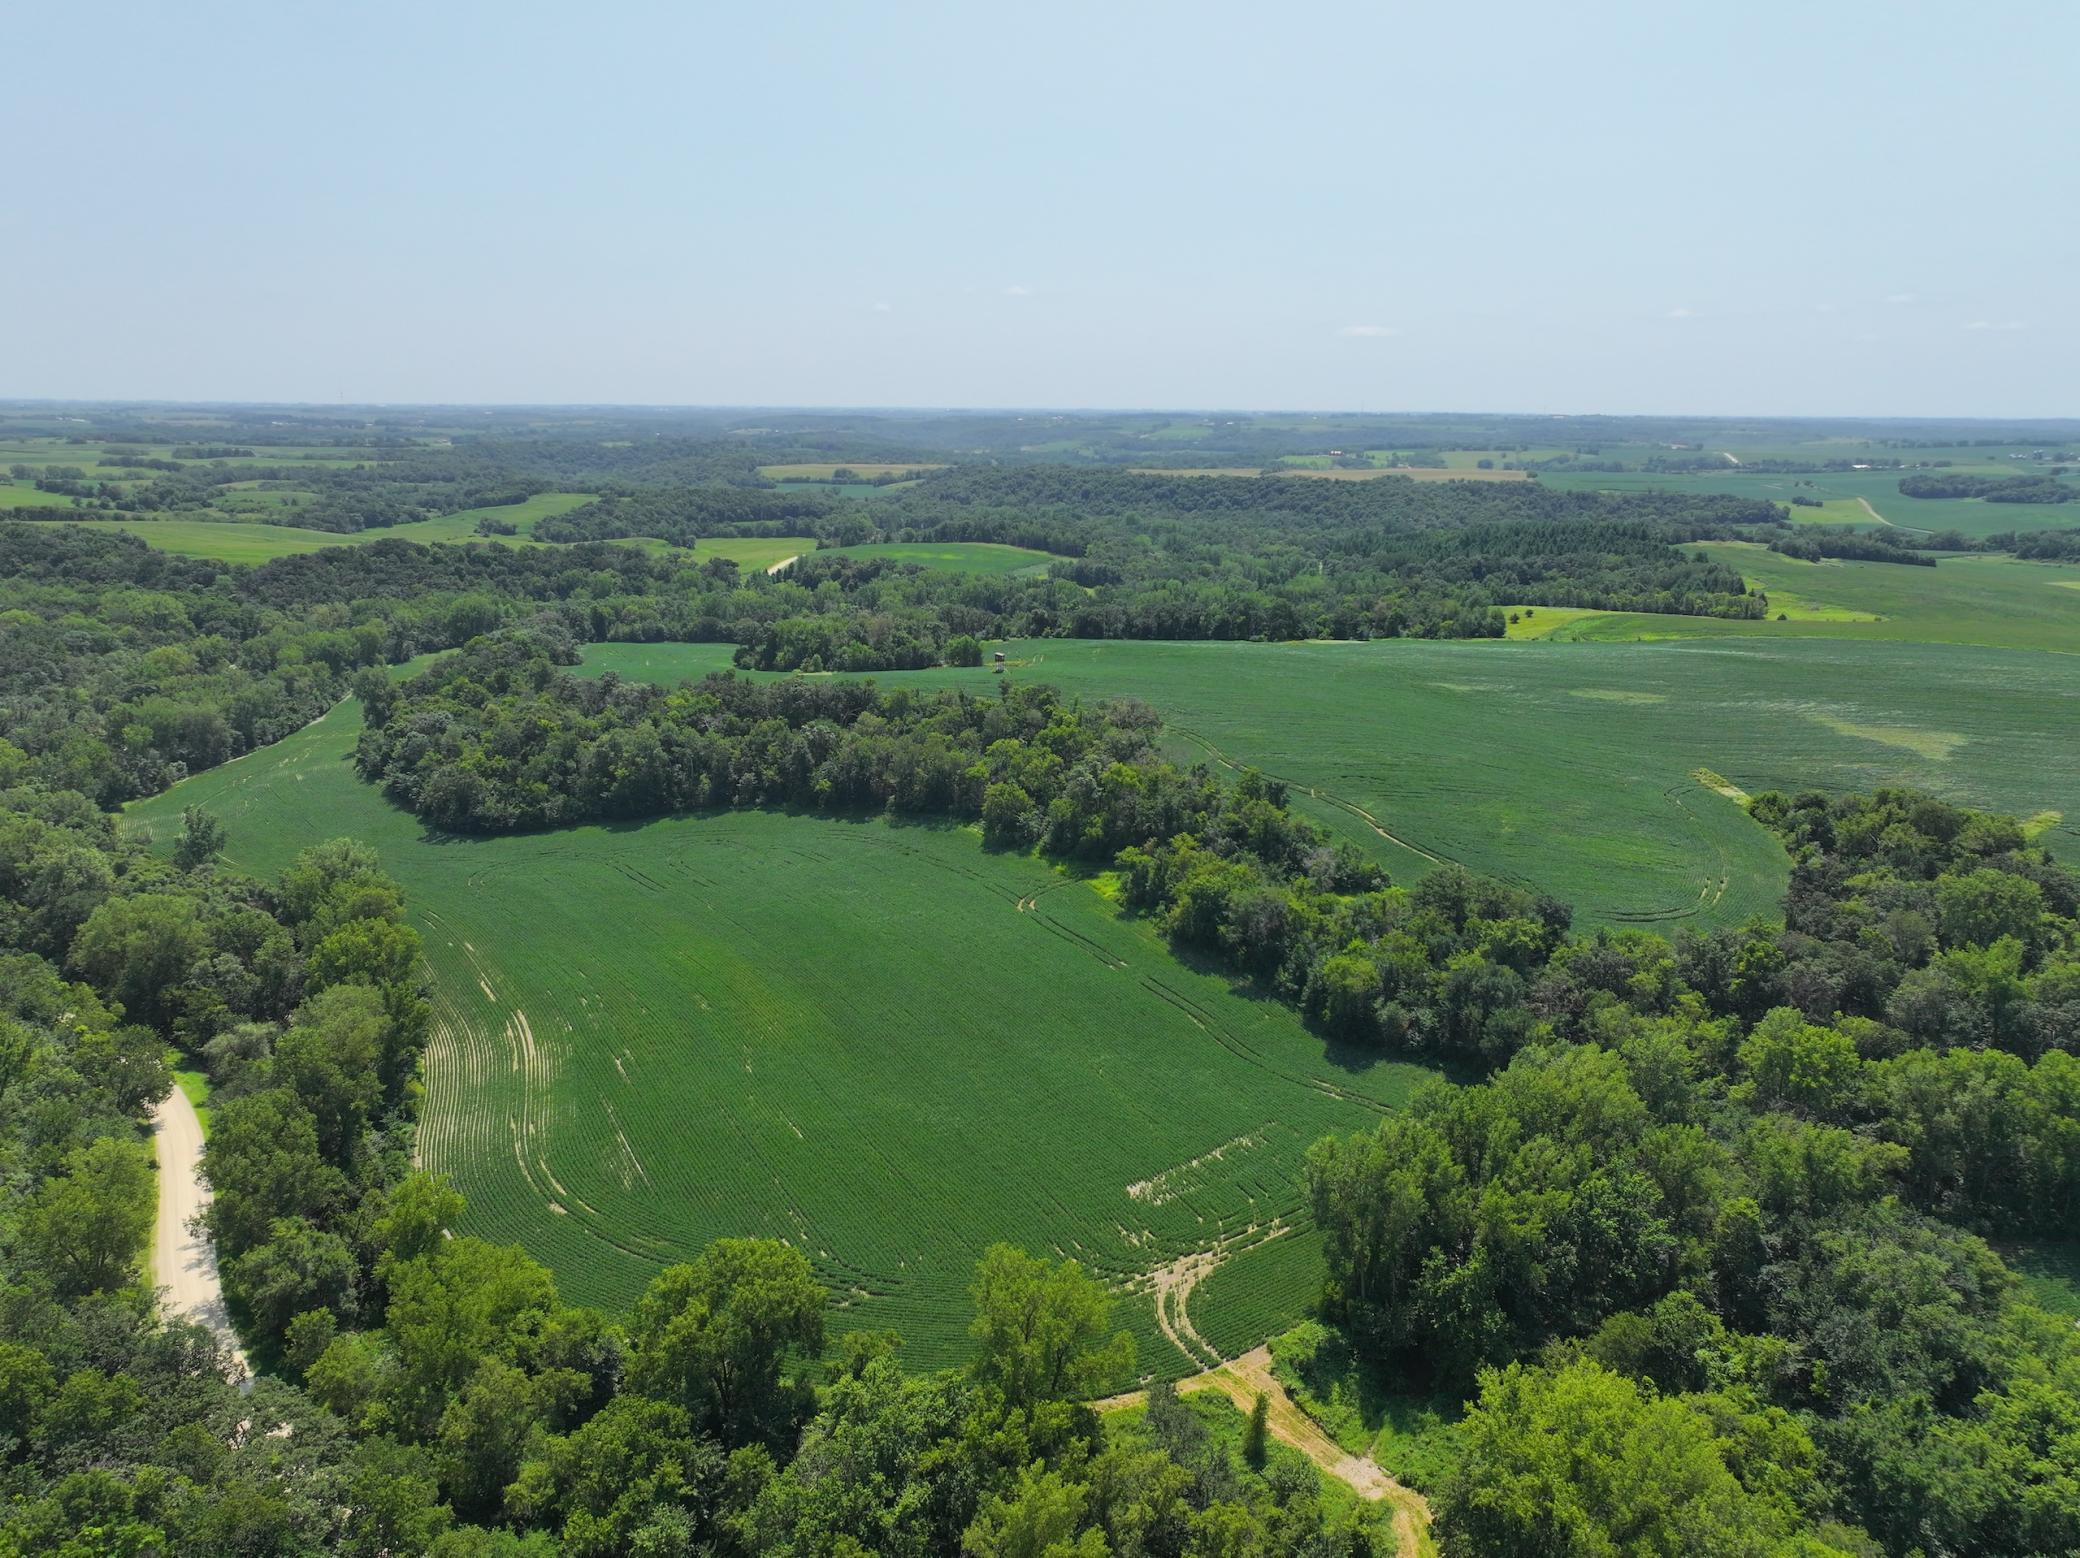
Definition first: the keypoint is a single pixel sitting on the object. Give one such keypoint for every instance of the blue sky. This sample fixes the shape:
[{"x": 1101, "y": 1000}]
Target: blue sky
[{"x": 1827, "y": 207}]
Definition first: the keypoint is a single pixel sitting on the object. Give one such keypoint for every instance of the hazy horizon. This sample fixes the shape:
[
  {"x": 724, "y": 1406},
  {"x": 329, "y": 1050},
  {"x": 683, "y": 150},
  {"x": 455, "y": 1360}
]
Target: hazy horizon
[{"x": 1847, "y": 213}]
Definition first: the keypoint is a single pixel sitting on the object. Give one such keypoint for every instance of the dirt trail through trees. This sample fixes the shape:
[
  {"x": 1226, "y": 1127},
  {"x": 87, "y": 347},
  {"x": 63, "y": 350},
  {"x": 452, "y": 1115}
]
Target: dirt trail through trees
[
  {"x": 1243, "y": 1379},
  {"x": 182, "y": 1261}
]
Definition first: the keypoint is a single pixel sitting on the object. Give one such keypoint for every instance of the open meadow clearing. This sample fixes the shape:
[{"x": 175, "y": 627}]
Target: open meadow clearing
[
  {"x": 862, "y": 1038},
  {"x": 1571, "y": 767}
]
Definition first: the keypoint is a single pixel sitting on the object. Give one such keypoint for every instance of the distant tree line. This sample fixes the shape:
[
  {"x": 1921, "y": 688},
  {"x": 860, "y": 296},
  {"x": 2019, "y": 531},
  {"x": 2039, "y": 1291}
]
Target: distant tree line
[
  {"x": 1869, "y": 546},
  {"x": 1994, "y": 489},
  {"x": 2049, "y": 546}
]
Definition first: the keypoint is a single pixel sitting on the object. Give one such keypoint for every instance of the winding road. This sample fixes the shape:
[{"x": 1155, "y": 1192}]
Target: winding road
[{"x": 183, "y": 1264}]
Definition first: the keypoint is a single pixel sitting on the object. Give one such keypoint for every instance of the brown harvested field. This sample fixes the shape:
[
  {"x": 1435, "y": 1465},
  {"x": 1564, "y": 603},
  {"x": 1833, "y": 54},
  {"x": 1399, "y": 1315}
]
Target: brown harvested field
[
  {"x": 1334, "y": 475},
  {"x": 824, "y": 472}
]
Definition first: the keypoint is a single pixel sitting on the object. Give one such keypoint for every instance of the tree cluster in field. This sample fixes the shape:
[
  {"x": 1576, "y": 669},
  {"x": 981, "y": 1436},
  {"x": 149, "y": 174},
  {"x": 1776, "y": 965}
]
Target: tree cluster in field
[
  {"x": 426, "y": 1392},
  {"x": 1994, "y": 489},
  {"x": 1864, "y": 546},
  {"x": 495, "y": 738},
  {"x": 2045, "y": 546},
  {"x": 1721, "y": 1217}
]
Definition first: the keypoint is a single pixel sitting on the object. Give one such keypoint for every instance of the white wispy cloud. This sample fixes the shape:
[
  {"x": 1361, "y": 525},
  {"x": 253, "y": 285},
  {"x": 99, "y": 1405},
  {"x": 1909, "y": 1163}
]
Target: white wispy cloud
[
  {"x": 884, "y": 308},
  {"x": 1370, "y": 331},
  {"x": 1993, "y": 324},
  {"x": 1899, "y": 297},
  {"x": 1681, "y": 313},
  {"x": 1016, "y": 291}
]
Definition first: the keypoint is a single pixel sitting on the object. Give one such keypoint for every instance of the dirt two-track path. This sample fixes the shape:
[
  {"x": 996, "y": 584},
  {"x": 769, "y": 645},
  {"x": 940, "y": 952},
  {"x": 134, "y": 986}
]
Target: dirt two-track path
[
  {"x": 1243, "y": 1379},
  {"x": 183, "y": 1264}
]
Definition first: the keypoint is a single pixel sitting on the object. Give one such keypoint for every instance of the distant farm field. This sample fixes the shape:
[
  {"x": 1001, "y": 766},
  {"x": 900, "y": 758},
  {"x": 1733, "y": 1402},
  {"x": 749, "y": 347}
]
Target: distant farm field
[
  {"x": 880, "y": 1043},
  {"x": 240, "y": 541},
  {"x": 1573, "y": 767},
  {"x": 754, "y": 552},
  {"x": 1978, "y": 599},
  {"x": 226, "y": 540},
  {"x": 953, "y": 556},
  {"x": 524, "y": 516},
  {"x": 1425, "y": 473},
  {"x": 827, "y": 472},
  {"x": 1838, "y": 489},
  {"x": 27, "y": 495}
]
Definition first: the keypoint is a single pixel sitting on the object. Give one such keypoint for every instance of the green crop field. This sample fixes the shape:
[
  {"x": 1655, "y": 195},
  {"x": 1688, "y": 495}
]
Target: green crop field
[
  {"x": 2050, "y": 1273},
  {"x": 1965, "y": 599},
  {"x": 243, "y": 541},
  {"x": 1573, "y": 767},
  {"x": 646, "y": 1037},
  {"x": 955, "y": 556},
  {"x": 1880, "y": 489},
  {"x": 25, "y": 495},
  {"x": 463, "y": 526},
  {"x": 754, "y": 552},
  {"x": 228, "y": 540}
]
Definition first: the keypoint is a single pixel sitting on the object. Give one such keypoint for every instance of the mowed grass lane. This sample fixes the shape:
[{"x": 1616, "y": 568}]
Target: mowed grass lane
[{"x": 880, "y": 1043}]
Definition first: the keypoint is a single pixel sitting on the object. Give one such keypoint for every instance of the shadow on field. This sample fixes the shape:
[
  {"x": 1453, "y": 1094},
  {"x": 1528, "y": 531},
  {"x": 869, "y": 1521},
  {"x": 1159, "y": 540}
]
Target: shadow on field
[{"x": 1354, "y": 1059}]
